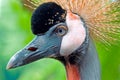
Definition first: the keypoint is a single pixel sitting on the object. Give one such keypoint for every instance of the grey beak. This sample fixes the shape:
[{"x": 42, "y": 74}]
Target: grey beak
[{"x": 41, "y": 47}]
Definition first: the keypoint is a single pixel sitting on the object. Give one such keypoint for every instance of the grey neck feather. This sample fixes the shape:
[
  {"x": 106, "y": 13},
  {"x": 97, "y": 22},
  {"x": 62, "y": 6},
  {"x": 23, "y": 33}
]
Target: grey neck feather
[
  {"x": 86, "y": 58},
  {"x": 89, "y": 64}
]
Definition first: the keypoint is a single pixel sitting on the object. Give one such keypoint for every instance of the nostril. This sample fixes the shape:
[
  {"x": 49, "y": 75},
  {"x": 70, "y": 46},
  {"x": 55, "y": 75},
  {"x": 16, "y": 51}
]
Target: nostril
[{"x": 32, "y": 48}]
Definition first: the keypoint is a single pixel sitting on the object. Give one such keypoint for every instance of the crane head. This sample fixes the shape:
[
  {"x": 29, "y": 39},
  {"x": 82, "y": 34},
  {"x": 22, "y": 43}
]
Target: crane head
[{"x": 59, "y": 34}]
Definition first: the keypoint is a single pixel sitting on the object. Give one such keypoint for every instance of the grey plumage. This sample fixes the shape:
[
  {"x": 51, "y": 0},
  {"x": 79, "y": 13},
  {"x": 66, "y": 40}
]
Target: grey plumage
[{"x": 90, "y": 66}]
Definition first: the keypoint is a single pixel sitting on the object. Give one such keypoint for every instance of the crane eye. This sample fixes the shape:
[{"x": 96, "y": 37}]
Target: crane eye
[{"x": 61, "y": 30}]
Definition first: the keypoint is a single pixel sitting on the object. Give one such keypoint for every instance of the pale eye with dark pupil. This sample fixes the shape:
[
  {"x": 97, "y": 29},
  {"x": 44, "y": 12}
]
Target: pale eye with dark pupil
[{"x": 61, "y": 30}]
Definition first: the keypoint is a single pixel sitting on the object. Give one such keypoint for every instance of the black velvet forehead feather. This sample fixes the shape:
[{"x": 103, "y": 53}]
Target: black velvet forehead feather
[{"x": 46, "y": 16}]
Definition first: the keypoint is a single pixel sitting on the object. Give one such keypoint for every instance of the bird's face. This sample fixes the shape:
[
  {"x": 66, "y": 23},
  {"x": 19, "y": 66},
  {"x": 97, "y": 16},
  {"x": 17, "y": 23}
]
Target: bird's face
[{"x": 56, "y": 36}]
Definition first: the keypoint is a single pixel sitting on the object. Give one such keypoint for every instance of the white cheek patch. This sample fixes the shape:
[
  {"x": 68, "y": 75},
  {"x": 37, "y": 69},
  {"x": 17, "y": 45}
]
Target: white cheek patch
[{"x": 74, "y": 38}]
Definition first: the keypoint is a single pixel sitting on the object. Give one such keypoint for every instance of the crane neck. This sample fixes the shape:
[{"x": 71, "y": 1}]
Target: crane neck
[
  {"x": 83, "y": 65},
  {"x": 89, "y": 65}
]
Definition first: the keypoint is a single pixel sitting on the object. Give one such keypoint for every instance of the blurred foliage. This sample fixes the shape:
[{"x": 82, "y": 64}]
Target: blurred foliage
[{"x": 15, "y": 33}]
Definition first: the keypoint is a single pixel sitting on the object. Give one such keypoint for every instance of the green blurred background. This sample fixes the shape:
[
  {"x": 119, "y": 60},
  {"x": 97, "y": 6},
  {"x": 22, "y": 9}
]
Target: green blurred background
[{"x": 15, "y": 33}]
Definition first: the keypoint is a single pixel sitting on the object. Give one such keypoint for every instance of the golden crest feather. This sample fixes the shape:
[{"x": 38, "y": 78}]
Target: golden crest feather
[{"x": 102, "y": 17}]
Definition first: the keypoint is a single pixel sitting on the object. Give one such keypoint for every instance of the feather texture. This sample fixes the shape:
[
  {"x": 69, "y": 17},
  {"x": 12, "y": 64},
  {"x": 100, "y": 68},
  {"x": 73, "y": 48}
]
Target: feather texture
[{"x": 102, "y": 17}]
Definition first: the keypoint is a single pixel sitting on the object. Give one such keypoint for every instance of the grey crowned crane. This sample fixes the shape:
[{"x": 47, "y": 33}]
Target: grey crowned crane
[{"x": 65, "y": 30}]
